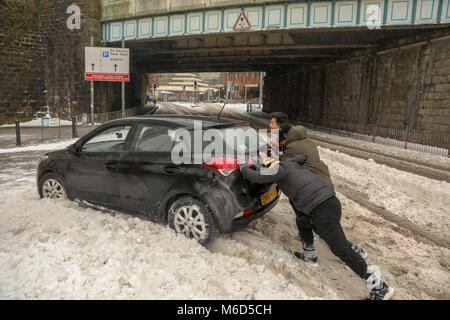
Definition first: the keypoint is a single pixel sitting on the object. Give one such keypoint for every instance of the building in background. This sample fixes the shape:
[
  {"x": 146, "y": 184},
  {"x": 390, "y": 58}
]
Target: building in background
[
  {"x": 243, "y": 85},
  {"x": 213, "y": 78},
  {"x": 180, "y": 86}
]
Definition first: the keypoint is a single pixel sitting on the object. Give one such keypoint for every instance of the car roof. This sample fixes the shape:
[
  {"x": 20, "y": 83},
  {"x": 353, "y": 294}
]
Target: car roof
[{"x": 186, "y": 121}]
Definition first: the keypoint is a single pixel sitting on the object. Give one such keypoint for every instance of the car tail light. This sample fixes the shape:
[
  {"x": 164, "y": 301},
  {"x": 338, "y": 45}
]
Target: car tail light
[{"x": 223, "y": 166}]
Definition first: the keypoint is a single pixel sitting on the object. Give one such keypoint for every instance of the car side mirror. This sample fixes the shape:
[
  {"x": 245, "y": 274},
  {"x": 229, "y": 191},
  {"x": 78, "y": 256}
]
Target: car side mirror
[{"x": 72, "y": 149}]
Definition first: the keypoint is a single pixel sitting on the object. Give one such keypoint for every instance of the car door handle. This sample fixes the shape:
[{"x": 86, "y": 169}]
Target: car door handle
[
  {"x": 171, "y": 169},
  {"x": 112, "y": 165}
]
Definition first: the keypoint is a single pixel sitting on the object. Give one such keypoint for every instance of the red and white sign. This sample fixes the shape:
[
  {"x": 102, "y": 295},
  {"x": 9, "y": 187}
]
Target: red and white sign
[
  {"x": 107, "y": 77},
  {"x": 241, "y": 23},
  {"x": 107, "y": 64}
]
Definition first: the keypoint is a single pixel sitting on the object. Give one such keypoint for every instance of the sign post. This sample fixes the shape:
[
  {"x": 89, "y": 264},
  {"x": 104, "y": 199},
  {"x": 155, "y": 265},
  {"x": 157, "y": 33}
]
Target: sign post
[
  {"x": 195, "y": 93},
  {"x": 18, "y": 141},
  {"x": 260, "y": 89},
  {"x": 226, "y": 91},
  {"x": 123, "y": 87},
  {"x": 45, "y": 124},
  {"x": 107, "y": 64},
  {"x": 92, "y": 87}
]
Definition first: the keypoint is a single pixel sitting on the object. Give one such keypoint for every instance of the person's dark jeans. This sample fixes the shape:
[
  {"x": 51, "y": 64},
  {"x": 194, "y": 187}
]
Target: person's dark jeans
[
  {"x": 304, "y": 226},
  {"x": 326, "y": 223}
]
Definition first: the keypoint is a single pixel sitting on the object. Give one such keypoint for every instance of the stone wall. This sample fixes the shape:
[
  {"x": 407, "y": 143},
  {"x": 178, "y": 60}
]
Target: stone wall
[
  {"x": 405, "y": 87},
  {"x": 42, "y": 61},
  {"x": 63, "y": 51},
  {"x": 22, "y": 84}
]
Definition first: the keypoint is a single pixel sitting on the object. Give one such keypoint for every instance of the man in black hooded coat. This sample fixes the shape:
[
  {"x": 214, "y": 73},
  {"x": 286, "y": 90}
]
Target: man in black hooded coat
[{"x": 314, "y": 197}]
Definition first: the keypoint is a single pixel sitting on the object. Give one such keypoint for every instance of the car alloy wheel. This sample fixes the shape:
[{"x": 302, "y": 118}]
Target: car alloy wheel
[
  {"x": 194, "y": 219},
  {"x": 189, "y": 221},
  {"x": 53, "y": 189}
]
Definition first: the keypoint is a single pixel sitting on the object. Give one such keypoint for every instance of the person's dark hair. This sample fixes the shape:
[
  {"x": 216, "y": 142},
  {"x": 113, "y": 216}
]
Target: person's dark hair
[
  {"x": 280, "y": 116},
  {"x": 283, "y": 131}
]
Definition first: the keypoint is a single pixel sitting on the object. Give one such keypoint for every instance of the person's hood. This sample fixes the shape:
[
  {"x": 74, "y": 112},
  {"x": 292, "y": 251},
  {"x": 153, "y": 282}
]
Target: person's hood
[
  {"x": 300, "y": 159},
  {"x": 296, "y": 133}
]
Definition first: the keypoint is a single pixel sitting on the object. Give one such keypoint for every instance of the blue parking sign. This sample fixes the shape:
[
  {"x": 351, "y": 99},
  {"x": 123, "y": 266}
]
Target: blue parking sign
[
  {"x": 105, "y": 54},
  {"x": 45, "y": 122}
]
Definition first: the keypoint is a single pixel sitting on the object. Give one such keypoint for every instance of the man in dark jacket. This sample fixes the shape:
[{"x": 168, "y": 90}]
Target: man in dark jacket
[
  {"x": 296, "y": 142},
  {"x": 315, "y": 198}
]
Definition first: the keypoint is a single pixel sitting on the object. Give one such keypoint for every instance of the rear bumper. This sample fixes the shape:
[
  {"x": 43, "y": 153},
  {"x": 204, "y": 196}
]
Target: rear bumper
[{"x": 242, "y": 222}]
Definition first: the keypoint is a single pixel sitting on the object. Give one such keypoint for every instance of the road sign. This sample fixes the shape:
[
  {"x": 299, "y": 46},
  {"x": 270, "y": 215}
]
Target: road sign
[
  {"x": 54, "y": 122},
  {"x": 241, "y": 23},
  {"x": 45, "y": 122},
  {"x": 229, "y": 86},
  {"x": 107, "y": 64}
]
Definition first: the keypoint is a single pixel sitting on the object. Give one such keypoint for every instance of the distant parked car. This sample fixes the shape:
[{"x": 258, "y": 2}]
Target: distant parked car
[{"x": 126, "y": 164}]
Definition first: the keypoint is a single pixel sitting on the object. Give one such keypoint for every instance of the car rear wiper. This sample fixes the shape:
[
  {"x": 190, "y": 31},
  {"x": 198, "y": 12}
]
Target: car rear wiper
[{"x": 218, "y": 116}]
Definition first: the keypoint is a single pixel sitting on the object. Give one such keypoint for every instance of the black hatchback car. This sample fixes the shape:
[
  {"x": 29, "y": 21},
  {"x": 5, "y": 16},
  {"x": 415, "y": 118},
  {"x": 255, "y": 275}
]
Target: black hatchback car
[{"x": 126, "y": 164}]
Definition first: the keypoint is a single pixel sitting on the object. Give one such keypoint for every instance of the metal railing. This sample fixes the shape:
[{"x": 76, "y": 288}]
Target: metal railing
[
  {"x": 86, "y": 118},
  {"x": 63, "y": 130},
  {"x": 435, "y": 142}
]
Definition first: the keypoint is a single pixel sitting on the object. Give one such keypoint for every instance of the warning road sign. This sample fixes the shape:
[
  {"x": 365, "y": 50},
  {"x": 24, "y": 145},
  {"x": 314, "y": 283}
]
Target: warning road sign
[
  {"x": 241, "y": 23},
  {"x": 107, "y": 64}
]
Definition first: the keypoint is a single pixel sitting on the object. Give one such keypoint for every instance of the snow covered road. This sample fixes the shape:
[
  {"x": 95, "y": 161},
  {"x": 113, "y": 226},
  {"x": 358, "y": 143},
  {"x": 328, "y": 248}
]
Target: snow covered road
[{"x": 60, "y": 250}]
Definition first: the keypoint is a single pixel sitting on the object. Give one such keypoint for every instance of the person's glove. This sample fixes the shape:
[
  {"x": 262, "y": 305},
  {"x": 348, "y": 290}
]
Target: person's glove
[{"x": 250, "y": 165}]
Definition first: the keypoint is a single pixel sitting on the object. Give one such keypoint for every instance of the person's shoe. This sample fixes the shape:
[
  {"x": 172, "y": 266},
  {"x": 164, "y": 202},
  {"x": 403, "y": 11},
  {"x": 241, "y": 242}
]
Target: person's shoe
[
  {"x": 358, "y": 249},
  {"x": 304, "y": 257},
  {"x": 383, "y": 293},
  {"x": 308, "y": 254}
]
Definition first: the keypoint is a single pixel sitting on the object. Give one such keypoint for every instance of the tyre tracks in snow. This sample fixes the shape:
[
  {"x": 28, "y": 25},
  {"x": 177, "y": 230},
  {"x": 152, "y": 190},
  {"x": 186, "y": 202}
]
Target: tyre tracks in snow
[
  {"x": 405, "y": 226},
  {"x": 272, "y": 240},
  {"x": 439, "y": 173}
]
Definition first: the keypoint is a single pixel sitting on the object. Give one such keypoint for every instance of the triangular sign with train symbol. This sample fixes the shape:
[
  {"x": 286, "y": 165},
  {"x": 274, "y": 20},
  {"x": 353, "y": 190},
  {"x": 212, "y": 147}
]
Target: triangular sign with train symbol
[{"x": 241, "y": 23}]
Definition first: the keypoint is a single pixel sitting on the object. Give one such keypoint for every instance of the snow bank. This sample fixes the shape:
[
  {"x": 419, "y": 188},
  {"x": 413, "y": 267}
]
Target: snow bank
[
  {"x": 58, "y": 250},
  {"x": 424, "y": 201},
  {"x": 388, "y": 150},
  {"x": 38, "y": 147},
  {"x": 234, "y": 107},
  {"x": 37, "y": 123}
]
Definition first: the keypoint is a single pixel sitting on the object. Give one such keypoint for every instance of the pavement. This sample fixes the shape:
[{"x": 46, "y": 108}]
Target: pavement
[{"x": 38, "y": 135}]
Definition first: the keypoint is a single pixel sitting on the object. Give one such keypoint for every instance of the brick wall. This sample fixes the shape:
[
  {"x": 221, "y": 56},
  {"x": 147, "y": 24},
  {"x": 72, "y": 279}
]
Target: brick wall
[
  {"x": 240, "y": 80},
  {"x": 405, "y": 87}
]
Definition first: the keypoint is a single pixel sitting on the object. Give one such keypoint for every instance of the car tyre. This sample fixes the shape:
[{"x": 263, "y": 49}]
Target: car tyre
[
  {"x": 51, "y": 186},
  {"x": 194, "y": 219}
]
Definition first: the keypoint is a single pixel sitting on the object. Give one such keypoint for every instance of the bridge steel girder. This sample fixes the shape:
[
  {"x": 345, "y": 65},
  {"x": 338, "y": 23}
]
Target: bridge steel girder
[{"x": 168, "y": 37}]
